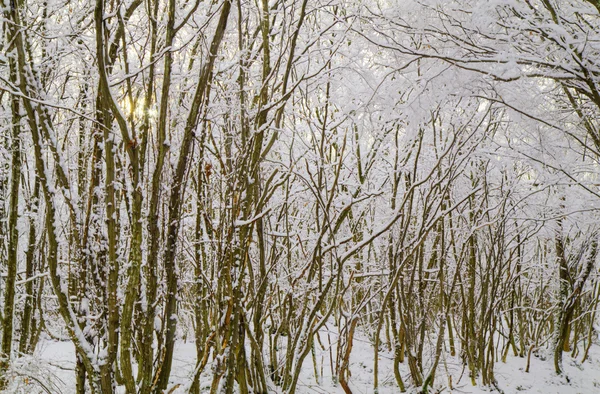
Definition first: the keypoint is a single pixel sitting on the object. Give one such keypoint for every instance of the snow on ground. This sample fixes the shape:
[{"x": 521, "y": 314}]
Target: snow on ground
[{"x": 51, "y": 370}]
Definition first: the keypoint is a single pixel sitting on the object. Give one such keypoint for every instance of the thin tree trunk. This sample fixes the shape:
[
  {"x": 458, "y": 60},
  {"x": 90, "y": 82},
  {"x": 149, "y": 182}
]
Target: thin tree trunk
[
  {"x": 176, "y": 199},
  {"x": 13, "y": 234}
]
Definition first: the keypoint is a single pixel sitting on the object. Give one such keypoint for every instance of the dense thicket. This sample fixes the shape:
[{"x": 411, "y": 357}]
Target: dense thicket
[{"x": 245, "y": 174}]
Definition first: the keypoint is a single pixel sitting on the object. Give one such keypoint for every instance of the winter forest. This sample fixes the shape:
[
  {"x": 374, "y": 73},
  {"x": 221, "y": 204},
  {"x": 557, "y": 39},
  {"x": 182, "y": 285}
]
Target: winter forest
[{"x": 299, "y": 196}]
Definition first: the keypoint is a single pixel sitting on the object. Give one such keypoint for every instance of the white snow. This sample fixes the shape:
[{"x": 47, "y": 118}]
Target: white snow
[{"x": 53, "y": 364}]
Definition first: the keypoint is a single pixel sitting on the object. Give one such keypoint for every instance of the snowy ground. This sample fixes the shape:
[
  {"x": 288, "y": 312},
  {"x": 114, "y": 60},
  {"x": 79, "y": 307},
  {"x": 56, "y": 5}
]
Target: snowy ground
[{"x": 50, "y": 370}]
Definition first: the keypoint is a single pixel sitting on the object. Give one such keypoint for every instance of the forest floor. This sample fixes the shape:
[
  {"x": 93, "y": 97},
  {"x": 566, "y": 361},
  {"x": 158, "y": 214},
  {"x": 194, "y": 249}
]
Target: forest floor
[{"x": 51, "y": 370}]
